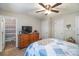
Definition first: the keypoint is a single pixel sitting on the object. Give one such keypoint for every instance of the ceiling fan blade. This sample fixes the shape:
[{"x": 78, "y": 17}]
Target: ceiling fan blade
[
  {"x": 55, "y": 11},
  {"x": 42, "y": 5},
  {"x": 57, "y": 4},
  {"x": 40, "y": 11}
]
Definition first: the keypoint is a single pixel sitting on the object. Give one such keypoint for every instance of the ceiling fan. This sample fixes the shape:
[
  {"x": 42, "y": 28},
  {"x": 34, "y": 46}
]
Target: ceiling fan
[{"x": 48, "y": 8}]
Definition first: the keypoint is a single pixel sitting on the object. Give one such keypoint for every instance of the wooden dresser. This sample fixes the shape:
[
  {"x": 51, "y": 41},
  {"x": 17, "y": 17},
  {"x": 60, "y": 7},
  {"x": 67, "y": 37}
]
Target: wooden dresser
[{"x": 25, "y": 39}]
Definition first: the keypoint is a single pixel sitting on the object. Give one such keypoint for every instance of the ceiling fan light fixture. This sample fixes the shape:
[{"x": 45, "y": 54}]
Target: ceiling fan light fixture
[
  {"x": 48, "y": 8},
  {"x": 47, "y": 11}
]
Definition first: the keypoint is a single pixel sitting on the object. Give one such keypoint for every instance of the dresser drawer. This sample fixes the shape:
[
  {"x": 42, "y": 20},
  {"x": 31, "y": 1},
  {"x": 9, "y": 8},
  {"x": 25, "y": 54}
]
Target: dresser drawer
[
  {"x": 25, "y": 36},
  {"x": 24, "y": 43},
  {"x": 21, "y": 37},
  {"x": 26, "y": 39}
]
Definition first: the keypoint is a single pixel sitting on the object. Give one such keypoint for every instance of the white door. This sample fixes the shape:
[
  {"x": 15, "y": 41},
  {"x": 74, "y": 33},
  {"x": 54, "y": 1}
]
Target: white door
[
  {"x": 77, "y": 29},
  {"x": 44, "y": 29},
  {"x": 2, "y": 34},
  {"x": 59, "y": 29}
]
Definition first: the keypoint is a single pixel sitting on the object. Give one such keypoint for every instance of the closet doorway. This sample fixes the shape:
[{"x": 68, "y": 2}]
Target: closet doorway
[{"x": 10, "y": 32}]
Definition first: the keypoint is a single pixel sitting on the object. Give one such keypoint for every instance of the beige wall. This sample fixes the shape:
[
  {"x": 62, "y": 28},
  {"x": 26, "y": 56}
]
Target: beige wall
[
  {"x": 44, "y": 25},
  {"x": 68, "y": 19},
  {"x": 24, "y": 20}
]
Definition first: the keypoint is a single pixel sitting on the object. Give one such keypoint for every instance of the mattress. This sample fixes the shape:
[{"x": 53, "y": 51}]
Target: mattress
[{"x": 52, "y": 47}]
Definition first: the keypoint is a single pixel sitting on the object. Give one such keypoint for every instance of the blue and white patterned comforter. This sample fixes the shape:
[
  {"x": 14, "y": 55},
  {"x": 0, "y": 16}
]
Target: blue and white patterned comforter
[{"x": 52, "y": 47}]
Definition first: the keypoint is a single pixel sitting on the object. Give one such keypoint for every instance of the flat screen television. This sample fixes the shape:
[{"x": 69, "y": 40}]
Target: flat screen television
[{"x": 26, "y": 29}]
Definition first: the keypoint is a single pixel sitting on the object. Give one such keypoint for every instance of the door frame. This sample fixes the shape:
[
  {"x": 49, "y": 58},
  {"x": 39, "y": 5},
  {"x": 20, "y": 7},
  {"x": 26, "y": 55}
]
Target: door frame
[
  {"x": 2, "y": 33},
  {"x": 76, "y": 33},
  {"x": 16, "y": 27}
]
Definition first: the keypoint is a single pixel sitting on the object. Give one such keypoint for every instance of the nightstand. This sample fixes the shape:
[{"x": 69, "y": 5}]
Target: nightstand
[{"x": 72, "y": 41}]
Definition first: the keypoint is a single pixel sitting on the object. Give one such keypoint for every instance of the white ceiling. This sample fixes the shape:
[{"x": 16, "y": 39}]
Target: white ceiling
[{"x": 30, "y": 8}]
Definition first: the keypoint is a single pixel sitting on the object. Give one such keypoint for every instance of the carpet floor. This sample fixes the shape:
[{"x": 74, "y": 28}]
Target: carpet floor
[{"x": 11, "y": 50}]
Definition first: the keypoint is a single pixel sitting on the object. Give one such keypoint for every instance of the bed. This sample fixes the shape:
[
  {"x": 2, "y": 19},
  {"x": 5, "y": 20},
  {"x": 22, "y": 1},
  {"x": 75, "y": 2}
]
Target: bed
[{"x": 52, "y": 47}]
